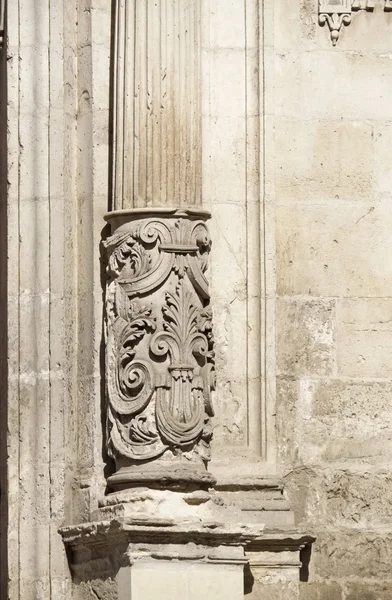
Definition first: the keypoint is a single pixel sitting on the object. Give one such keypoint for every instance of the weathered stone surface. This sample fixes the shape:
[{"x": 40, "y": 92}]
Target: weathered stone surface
[
  {"x": 333, "y": 240},
  {"x": 103, "y": 589},
  {"x": 345, "y": 553},
  {"x": 305, "y": 337},
  {"x": 310, "y": 169},
  {"x": 286, "y": 420},
  {"x": 368, "y": 591},
  {"x": 321, "y": 250},
  {"x": 320, "y": 591},
  {"x": 341, "y": 498},
  {"x": 350, "y": 97},
  {"x": 331, "y": 420},
  {"x": 262, "y": 590},
  {"x": 364, "y": 343}
]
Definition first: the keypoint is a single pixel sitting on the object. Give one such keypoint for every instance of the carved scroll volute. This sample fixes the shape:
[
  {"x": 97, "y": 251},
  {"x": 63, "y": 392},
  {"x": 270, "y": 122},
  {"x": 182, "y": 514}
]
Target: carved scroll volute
[
  {"x": 160, "y": 358},
  {"x": 335, "y": 13}
]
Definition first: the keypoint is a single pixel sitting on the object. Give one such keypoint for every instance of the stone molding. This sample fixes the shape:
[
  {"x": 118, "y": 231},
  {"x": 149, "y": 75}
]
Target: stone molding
[
  {"x": 147, "y": 529},
  {"x": 160, "y": 531},
  {"x": 337, "y": 13},
  {"x": 140, "y": 538},
  {"x": 160, "y": 352}
]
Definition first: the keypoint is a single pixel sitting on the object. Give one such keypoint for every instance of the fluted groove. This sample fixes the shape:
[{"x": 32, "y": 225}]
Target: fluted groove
[{"x": 157, "y": 141}]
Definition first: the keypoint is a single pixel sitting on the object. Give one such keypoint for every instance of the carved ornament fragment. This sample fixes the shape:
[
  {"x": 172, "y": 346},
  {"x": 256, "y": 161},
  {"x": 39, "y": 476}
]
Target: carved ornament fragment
[
  {"x": 160, "y": 355},
  {"x": 337, "y": 13}
]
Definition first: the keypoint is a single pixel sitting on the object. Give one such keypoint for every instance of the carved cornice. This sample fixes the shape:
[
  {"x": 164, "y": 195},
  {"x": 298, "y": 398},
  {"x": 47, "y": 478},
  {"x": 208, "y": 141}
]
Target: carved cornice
[
  {"x": 159, "y": 531},
  {"x": 124, "y": 531},
  {"x": 336, "y": 13},
  {"x": 160, "y": 355}
]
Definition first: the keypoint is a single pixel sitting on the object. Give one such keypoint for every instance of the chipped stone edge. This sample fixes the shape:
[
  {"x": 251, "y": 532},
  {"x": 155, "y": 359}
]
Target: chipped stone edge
[{"x": 158, "y": 531}]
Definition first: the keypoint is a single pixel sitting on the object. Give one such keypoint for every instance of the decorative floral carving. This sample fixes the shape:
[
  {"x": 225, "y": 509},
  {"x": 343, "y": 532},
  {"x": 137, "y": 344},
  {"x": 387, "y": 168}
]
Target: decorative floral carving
[
  {"x": 179, "y": 407},
  {"x": 127, "y": 254},
  {"x": 337, "y": 13},
  {"x": 160, "y": 357}
]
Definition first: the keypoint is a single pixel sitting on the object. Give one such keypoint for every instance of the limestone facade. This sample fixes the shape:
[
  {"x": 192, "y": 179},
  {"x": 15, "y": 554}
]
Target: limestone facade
[{"x": 195, "y": 233}]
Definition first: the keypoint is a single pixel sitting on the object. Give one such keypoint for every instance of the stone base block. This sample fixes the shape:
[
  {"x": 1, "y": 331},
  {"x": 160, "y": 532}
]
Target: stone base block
[
  {"x": 178, "y": 580},
  {"x": 145, "y": 544},
  {"x": 146, "y": 559}
]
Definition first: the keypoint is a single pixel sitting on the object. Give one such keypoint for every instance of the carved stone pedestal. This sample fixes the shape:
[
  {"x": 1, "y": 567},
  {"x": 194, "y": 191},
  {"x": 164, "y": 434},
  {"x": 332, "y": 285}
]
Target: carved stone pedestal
[
  {"x": 141, "y": 570},
  {"x": 153, "y": 544},
  {"x": 160, "y": 358},
  {"x": 148, "y": 544}
]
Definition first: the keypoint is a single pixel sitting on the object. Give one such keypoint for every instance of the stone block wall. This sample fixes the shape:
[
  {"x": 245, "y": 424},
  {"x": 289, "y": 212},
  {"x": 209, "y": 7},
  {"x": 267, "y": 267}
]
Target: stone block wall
[{"x": 333, "y": 187}]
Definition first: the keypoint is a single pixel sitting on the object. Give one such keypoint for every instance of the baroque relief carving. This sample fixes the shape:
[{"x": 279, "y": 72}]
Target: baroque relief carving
[
  {"x": 160, "y": 355},
  {"x": 337, "y": 13}
]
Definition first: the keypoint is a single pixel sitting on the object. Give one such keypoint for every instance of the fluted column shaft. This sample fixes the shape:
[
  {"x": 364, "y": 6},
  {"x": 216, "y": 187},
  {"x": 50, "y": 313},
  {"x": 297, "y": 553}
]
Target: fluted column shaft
[
  {"x": 157, "y": 108},
  {"x": 160, "y": 356}
]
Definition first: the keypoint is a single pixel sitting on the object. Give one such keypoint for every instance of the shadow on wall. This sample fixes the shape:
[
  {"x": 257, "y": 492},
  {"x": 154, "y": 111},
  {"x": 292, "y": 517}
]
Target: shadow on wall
[{"x": 109, "y": 467}]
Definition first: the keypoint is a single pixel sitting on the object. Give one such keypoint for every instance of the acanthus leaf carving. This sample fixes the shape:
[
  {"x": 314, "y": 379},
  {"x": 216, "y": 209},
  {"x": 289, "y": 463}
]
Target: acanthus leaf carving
[
  {"x": 180, "y": 409},
  {"x": 160, "y": 356}
]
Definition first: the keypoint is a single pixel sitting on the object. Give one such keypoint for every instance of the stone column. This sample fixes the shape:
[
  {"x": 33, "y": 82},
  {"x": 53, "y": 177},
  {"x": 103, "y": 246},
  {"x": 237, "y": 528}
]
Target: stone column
[
  {"x": 157, "y": 104},
  {"x": 160, "y": 358}
]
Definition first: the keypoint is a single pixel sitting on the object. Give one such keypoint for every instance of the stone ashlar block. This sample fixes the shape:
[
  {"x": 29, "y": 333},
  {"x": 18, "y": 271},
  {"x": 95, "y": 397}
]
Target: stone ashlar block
[
  {"x": 305, "y": 337},
  {"x": 368, "y": 591},
  {"x": 334, "y": 251},
  {"x": 260, "y": 590},
  {"x": 309, "y": 169},
  {"x": 346, "y": 554},
  {"x": 324, "y": 421},
  {"x": 342, "y": 498},
  {"x": 320, "y": 591},
  {"x": 340, "y": 91},
  {"x": 364, "y": 340}
]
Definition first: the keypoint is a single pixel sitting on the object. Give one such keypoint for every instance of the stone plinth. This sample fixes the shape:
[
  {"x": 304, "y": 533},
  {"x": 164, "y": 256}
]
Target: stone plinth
[
  {"x": 145, "y": 543},
  {"x": 191, "y": 548}
]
